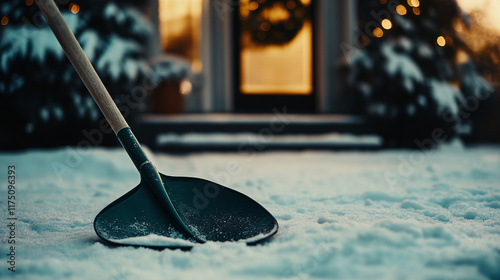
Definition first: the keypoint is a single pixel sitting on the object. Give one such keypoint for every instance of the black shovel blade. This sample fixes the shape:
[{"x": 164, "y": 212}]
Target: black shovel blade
[
  {"x": 134, "y": 215},
  {"x": 217, "y": 213},
  {"x": 211, "y": 211}
]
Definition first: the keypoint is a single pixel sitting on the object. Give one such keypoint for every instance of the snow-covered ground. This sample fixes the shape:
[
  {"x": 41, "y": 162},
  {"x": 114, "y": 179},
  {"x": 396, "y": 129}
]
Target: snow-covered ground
[{"x": 352, "y": 215}]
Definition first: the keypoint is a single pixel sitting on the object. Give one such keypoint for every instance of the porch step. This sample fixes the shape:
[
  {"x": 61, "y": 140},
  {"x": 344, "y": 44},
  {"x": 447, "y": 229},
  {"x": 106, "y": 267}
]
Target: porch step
[{"x": 255, "y": 132}]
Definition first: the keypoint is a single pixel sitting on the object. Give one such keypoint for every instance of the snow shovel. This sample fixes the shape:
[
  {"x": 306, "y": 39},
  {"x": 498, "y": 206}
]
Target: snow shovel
[{"x": 162, "y": 211}]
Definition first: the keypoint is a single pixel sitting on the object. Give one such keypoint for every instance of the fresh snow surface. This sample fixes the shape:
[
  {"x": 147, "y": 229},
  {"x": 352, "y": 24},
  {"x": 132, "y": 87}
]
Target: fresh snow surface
[
  {"x": 393, "y": 214},
  {"x": 193, "y": 138},
  {"x": 154, "y": 240}
]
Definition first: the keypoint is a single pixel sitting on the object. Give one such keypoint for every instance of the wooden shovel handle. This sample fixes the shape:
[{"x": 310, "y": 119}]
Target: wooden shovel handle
[{"x": 82, "y": 64}]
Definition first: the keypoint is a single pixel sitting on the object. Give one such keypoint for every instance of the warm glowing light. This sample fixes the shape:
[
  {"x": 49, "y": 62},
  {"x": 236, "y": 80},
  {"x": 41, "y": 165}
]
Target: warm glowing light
[
  {"x": 416, "y": 11},
  {"x": 400, "y": 9},
  {"x": 180, "y": 29},
  {"x": 377, "y": 32},
  {"x": 488, "y": 9},
  {"x": 276, "y": 13},
  {"x": 275, "y": 69},
  {"x": 74, "y": 8},
  {"x": 458, "y": 26},
  {"x": 278, "y": 69},
  {"x": 414, "y": 3},
  {"x": 29, "y": 2},
  {"x": 462, "y": 57},
  {"x": 494, "y": 58},
  {"x": 441, "y": 41},
  {"x": 185, "y": 87},
  {"x": 383, "y": 2},
  {"x": 5, "y": 20},
  {"x": 196, "y": 66},
  {"x": 252, "y": 6},
  {"x": 386, "y": 24},
  {"x": 486, "y": 12}
]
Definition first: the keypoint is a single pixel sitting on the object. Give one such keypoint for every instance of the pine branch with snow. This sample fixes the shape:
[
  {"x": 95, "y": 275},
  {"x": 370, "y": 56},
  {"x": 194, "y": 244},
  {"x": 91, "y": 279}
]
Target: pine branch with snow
[
  {"x": 408, "y": 84},
  {"x": 40, "y": 89}
]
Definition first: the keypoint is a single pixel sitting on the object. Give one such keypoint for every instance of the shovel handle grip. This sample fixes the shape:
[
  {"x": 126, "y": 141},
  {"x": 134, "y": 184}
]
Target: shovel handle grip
[{"x": 82, "y": 64}]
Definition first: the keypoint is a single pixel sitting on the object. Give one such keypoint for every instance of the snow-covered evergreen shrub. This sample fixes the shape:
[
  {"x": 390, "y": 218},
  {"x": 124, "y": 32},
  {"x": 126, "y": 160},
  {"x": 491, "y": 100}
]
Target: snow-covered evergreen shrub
[
  {"x": 407, "y": 84},
  {"x": 42, "y": 100}
]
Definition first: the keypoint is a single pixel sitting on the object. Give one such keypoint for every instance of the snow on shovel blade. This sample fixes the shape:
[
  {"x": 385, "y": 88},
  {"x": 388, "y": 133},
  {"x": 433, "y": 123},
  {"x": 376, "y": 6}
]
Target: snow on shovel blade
[{"x": 211, "y": 211}]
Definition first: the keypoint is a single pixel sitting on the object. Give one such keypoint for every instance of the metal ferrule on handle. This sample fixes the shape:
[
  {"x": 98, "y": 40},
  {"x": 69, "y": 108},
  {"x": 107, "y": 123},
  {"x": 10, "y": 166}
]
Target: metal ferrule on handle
[{"x": 132, "y": 146}]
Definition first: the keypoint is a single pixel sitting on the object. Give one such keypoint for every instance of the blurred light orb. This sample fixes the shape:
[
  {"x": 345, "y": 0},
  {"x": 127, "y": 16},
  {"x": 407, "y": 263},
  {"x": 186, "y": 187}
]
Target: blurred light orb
[
  {"x": 386, "y": 24},
  {"x": 252, "y": 6},
  {"x": 5, "y": 20},
  {"x": 414, "y": 3},
  {"x": 462, "y": 57},
  {"x": 401, "y": 10},
  {"x": 185, "y": 87},
  {"x": 74, "y": 8},
  {"x": 377, "y": 32},
  {"x": 441, "y": 41}
]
